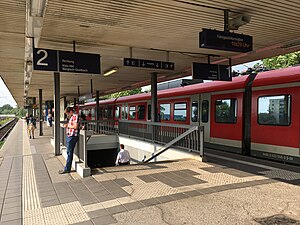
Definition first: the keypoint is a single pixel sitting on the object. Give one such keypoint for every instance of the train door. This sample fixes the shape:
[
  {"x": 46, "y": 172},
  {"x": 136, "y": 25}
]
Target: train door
[
  {"x": 204, "y": 112},
  {"x": 195, "y": 108},
  {"x": 148, "y": 116}
]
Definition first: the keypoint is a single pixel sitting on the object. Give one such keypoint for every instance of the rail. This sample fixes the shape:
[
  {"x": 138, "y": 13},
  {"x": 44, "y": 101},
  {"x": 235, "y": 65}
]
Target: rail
[
  {"x": 6, "y": 128},
  {"x": 182, "y": 136}
]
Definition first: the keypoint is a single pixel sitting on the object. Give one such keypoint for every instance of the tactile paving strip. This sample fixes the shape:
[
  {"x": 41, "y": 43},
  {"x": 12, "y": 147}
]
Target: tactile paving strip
[
  {"x": 29, "y": 190},
  {"x": 220, "y": 178},
  {"x": 74, "y": 212},
  {"x": 149, "y": 190}
]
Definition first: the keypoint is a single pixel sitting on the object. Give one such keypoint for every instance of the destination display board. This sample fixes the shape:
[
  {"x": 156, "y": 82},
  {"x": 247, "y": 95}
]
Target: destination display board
[
  {"x": 151, "y": 64},
  {"x": 64, "y": 61},
  {"x": 221, "y": 40},
  {"x": 211, "y": 72},
  {"x": 77, "y": 62},
  {"x": 30, "y": 101}
]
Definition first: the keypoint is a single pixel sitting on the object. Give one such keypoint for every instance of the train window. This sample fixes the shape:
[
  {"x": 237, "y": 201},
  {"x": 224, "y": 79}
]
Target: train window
[
  {"x": 141, "y": 112},
  {"x": 274, "y": 110},
  {"x": 194, "y": 114},
  {"x": 165, "y": 111},
  {"x": 149, "y": 112},
  {"x": 205, "y": 111},
  {"x": 117, "y": 112},
  {"x": 108, "y": 113},
  {"x": 93, "y": 114},
  {"x": 101, "y": 113},
  {"x": 226, "y": 111},
  {"x": 132, "y": 112},
  {"x": 180, "y": 111},
  {"x": 124, "y": 112}
]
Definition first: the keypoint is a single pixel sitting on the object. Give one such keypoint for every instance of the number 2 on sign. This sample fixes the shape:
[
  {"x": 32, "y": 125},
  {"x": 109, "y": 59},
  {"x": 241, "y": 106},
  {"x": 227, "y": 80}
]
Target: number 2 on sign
[{"x": 40, "y": 61}]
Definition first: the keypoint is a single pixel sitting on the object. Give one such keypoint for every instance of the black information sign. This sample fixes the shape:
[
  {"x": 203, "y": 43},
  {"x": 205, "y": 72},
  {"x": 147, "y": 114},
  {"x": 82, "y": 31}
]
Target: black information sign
[
  {"x": 221, "y": 40},
  {"x": 31, "y": 101},
  {"x": 77, "y": 62},
  {"x": 63, "y": 61},
  {"x": 211, "y": 72},
  {"x": 150, "y": 64},
  {"x": 167, "y": 65},
  {"x": 45, "y": 59},
  {"x": 131, "y": 62},
  {"x": 143, "y": 63}
]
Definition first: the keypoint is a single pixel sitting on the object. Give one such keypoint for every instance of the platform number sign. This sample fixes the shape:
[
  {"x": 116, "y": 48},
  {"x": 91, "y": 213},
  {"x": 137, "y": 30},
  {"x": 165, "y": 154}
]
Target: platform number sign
[
  {"x": 45, "y": 59},
  {"x": 63, "y": 61}
]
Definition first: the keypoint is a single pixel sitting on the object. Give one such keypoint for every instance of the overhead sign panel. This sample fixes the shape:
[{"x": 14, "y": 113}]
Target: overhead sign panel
[
  {"x": 30, "y": 101},
  {"x": 211, "y": 72},
  {"x": 144, "y": 63},
  {"x": 45, "y": 59},
  {"x": 77, "y": 62},
  {"x": 221, "y": 40},
  {"x": 63, "y": 61},
  {"x": 131, "y": 62},
  {"x": 150, "y": 64}
]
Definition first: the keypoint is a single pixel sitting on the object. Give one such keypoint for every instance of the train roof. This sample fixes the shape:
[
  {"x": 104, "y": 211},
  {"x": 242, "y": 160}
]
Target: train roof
[
  {"x": 237, "y": 83},
  {"x": 280, "y": 76},
  {"x": 273, "y": 77}
]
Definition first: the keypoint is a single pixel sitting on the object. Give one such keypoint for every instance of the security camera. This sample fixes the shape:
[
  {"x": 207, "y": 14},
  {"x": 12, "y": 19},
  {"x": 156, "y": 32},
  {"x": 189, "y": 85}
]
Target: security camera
[{"x": 241, "y": 20}]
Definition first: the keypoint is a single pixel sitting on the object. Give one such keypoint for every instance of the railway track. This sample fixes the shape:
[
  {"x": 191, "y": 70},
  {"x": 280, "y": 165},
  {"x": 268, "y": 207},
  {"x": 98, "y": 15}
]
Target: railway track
[{"x": 6, "y": 128}]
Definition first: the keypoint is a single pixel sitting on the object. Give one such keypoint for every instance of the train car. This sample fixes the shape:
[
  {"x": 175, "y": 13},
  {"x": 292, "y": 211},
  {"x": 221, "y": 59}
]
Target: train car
[
  {"x": 275, "y": 125},
  {"x": 255, "y": 115}
]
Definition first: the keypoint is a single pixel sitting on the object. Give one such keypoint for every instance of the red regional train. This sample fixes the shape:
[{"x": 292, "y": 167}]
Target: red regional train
[{"x": 255, "y": 115}]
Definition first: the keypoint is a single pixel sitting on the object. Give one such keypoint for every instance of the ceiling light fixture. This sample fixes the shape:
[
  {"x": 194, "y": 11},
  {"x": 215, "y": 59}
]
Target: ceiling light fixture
[{"x": 111, "y": 71}]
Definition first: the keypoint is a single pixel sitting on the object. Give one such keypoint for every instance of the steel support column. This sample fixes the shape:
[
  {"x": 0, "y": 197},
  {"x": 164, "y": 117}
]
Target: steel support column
[
  {"x": 97, "y": 106},
  {"x": 56, "y": 113},
  {"x": 41, "y": 111},
  {"x": 154, "y": 97}
]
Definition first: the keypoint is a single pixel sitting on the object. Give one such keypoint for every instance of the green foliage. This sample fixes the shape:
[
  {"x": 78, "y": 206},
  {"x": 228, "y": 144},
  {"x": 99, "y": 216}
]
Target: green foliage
[
  {"x": 5, "y": 121},
  {"x": 124, "y": 93},
  {"x": 282, "y": 61},
  {"x": 7, "y": 109},
  {"x": 1, "y": 143}
]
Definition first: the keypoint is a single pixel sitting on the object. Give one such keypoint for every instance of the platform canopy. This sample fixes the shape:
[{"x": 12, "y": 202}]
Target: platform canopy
[{"x": 162, "y": 30}]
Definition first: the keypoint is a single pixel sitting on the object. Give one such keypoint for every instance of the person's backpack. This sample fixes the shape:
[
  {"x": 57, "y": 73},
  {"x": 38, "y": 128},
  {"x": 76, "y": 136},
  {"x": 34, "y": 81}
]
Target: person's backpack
[{"x": 33, "y": 122}]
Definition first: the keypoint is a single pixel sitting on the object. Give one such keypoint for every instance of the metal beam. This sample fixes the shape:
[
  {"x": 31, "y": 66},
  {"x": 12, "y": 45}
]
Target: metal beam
[
  {"x": 41, "y": 111},
  {"x": 154, "y": 97},
  {"x": 57, "y": 113}
]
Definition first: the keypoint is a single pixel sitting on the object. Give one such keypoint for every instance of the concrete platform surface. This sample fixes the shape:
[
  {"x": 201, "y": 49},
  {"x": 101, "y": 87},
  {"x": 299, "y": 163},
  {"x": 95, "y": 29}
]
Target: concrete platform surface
[{"x": 228, "y": 189}]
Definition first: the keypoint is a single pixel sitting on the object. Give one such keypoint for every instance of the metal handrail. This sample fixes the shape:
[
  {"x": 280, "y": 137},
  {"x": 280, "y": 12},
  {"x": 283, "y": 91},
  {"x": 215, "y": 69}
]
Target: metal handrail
[
  {"x": 99, "y": 126},
  {"x": 178, "y": 135},
  {"x": 168, "y": 145}
]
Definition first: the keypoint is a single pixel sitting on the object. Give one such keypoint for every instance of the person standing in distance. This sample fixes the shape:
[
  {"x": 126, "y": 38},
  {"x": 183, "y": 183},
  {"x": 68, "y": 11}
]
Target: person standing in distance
[
  {"x": 123, "y": 157},
  {"x": 72, "y": 137}
]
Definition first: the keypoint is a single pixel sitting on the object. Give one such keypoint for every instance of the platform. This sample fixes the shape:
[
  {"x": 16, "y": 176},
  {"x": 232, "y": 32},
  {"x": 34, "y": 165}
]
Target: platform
[{"x": 228, "y": 189}]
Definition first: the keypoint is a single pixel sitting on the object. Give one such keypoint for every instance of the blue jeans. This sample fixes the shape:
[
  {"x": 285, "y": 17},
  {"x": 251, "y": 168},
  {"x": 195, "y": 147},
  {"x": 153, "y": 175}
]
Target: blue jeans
[{"x": 70, "y": 142}]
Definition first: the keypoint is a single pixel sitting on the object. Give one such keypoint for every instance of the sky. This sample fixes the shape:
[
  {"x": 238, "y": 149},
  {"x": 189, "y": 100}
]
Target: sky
[{"x": 6, "y": 97}]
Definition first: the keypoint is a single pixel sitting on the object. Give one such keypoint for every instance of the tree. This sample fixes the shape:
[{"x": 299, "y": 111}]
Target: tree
[
  {"x": 124, "y": 93},
  {"x": 5, "y": 109},
  {"x": 282, "y": 61}
]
